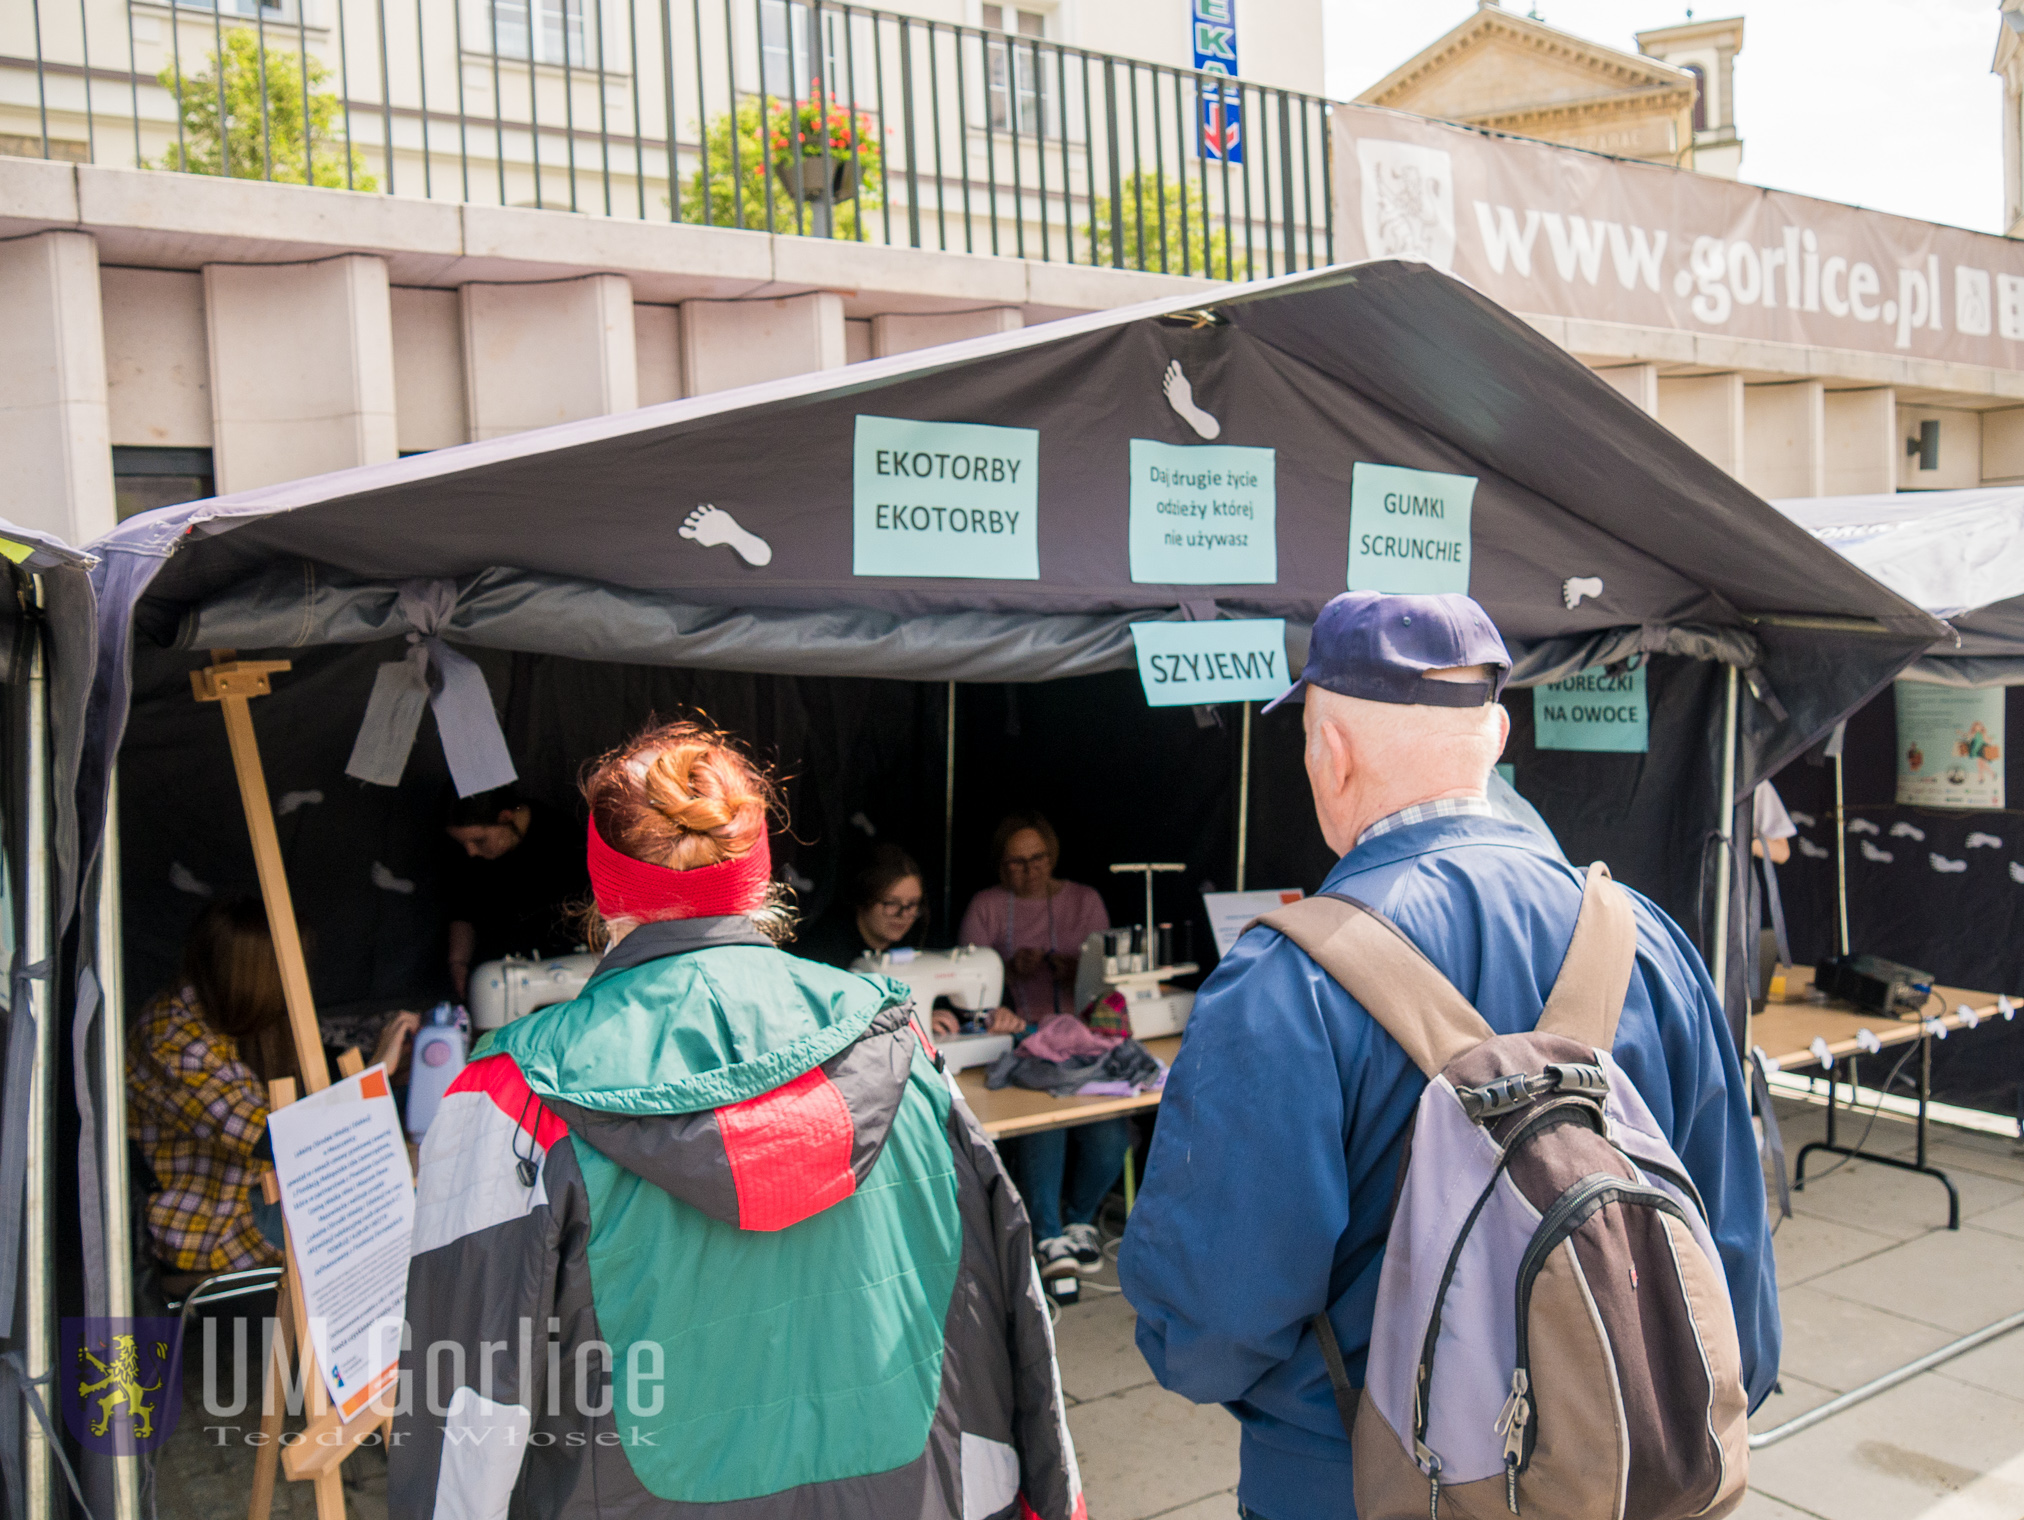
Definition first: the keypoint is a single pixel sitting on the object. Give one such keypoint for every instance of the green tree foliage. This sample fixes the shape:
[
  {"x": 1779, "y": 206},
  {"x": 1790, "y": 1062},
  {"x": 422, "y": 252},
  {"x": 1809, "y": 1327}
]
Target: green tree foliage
[
  {"x": 1192, "y": 246},
  {"x": 793, "y": 130},
  {"x": 262, "y": 144}
]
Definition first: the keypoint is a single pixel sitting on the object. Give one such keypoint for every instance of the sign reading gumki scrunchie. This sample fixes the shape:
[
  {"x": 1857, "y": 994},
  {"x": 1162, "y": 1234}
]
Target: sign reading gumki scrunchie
[
  {"x": 957, "y": 500},
  {"x": 1409, "y": 529}
]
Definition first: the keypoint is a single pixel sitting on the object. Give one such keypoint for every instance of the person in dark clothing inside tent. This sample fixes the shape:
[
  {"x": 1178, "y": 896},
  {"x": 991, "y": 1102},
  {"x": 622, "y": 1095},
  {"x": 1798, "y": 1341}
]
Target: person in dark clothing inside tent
[
  {"x": 516, "y": 882},
  {"x": 885, "y": 908}
]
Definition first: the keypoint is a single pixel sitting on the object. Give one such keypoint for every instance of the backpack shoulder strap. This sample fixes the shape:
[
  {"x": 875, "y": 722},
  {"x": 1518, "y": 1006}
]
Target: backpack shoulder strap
[
  {"x": 1387, "y": 973},
  {"x": 1588, "y": 994}
]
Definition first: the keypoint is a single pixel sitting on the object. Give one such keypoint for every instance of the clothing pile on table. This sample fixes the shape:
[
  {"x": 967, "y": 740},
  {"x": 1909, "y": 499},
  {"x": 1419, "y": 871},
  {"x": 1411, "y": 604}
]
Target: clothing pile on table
[{"x": 1065, "y": 1056}]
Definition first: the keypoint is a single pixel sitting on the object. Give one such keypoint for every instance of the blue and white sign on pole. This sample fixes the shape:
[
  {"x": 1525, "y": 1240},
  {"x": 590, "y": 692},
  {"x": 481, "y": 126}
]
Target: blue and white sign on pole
[{"x": 1215, "y": 40}]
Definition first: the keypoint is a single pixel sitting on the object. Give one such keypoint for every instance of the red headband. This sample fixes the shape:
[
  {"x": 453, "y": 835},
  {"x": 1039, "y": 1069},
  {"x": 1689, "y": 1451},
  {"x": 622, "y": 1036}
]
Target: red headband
[{"x": 629, "y": 888}]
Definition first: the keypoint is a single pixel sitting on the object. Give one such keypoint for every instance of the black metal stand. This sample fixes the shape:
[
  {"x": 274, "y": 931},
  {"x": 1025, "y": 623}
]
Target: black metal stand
[{"x": 1920, "y": 1165}]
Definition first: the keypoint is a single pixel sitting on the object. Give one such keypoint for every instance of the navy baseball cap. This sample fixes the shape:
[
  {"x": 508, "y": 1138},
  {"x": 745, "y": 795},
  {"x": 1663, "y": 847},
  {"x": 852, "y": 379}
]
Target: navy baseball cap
[{"x": 1379, "y": 647}]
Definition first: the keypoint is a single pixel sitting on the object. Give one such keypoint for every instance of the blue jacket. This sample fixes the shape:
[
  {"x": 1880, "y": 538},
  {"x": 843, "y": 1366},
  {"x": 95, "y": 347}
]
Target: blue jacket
[{"x": 1269, "y": 1186}]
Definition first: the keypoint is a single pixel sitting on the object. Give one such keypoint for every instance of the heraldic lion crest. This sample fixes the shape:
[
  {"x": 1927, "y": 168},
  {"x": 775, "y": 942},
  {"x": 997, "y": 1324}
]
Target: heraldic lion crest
[{"x": 119, "y": 1382}]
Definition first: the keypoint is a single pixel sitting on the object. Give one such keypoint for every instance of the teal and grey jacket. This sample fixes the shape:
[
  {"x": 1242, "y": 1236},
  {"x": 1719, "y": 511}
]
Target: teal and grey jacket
[{"x": 718, "y": 1239}]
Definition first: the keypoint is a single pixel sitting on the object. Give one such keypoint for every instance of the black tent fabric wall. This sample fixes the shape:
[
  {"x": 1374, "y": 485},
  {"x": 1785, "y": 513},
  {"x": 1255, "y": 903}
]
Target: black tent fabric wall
[{"x": 1961, "y": 919}]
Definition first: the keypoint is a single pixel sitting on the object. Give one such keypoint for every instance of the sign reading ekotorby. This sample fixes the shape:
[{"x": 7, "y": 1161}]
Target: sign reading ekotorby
[
  {"x": 1409, "y": 529},
  {"x": 945, "y": 499},
  {"x": 1593, "y": 711},
  {"x": 1203, "y": 515}
]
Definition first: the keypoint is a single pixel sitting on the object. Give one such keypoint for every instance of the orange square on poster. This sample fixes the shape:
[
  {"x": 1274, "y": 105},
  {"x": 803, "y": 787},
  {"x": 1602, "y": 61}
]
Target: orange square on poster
[{"x": 373, "y": 1084}]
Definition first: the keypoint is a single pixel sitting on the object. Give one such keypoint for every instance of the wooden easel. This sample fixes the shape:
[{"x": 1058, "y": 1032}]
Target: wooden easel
[{"x": 328, "y": 1438}]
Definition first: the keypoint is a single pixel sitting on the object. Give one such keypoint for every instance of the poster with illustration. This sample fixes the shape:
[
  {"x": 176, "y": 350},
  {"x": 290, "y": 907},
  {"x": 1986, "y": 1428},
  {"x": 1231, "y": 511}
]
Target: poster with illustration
[{"x": 1950, "y": 746}]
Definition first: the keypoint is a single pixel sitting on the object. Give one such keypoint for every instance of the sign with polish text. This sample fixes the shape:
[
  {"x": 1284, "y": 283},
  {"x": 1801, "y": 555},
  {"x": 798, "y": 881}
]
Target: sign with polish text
[
  {"x": 1229, "y": 660},
  {"x": 1409, "y": 529},
  {"x": 1203, "y": 515},
  {"x": 1593, "y": 710},
  {"x": 955, "y": 500},
  {"x": 1213, "y": 25}
]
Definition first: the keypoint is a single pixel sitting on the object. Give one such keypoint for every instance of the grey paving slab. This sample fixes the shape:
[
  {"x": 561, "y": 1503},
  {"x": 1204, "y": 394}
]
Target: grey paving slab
[
  {"x": 1756, "y": 1506},
  {"x": 1892, "y": 1201},
  {"x": 1094, "y": 1343},
  {"x": 1902, "y": 1456},
  {"x": 1839, "y": 1342},
  {"x": 1961, "y": 1279},
  {"x": 1146, "y": 1451},
  {"x": 1997, "y": 1365},
  {"x": 1215, "y": 1507},
  {"x": 1806, "y": 1246},
  {"x": 1793, "y": 1396}
]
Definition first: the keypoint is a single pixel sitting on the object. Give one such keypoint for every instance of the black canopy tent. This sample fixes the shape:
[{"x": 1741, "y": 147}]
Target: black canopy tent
[
  {"x": 565, "y": 542},
  {"x": 556, "y": 560},
  {"x": 52, "y": 1090},
  {"x": 1941, "y": 889}
]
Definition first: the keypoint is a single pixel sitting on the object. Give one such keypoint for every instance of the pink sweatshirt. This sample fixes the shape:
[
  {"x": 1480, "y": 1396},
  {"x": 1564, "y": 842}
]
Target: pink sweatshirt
[{"x": 1061, "y": 923}]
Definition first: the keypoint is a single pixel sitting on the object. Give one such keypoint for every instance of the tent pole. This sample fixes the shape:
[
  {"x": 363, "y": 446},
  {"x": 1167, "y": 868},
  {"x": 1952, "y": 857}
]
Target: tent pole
[
  {"x": 40, "y": 1326},
  {"x": 949, "y": 814},
  {"x": 1720, "y": 960},
  {"x": 119, "y": 1280},
  {"x": 1244, "y": 798},
  {"x": 1840, "y": 857}
]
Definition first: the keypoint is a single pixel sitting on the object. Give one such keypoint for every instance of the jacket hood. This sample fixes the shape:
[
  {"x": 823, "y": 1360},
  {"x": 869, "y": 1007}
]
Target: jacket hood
[{"x": 747, "y": 1082}]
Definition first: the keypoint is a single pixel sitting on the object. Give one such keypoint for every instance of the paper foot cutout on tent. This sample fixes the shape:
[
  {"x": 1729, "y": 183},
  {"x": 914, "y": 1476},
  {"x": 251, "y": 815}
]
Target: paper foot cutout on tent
[
  {"x": 713, "y": 527},
  {"x": 1181, "y": 397}
]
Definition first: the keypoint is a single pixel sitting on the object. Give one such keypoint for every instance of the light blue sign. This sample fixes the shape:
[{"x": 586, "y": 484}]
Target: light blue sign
[
  {"x": 1409, "y": 529},
  {"x": 1593, "y": 711},
  {"x": 1230, "y": 660},
  {"x": 1204, "y": 515},
  {"x": 945, "y": 499}
]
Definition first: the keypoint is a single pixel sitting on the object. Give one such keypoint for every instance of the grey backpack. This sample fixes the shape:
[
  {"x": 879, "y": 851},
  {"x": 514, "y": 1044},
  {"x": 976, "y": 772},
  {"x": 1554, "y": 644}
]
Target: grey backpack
[{"x": 1553, "y": 1335}]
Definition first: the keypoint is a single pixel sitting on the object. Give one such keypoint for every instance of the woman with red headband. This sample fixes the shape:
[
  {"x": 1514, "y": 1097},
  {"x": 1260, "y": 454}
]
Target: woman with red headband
[{"x": 718, "y": 1232}]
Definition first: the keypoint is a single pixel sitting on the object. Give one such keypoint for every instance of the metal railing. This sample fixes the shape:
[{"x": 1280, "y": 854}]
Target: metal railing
[{"x": 791, "y": 116}]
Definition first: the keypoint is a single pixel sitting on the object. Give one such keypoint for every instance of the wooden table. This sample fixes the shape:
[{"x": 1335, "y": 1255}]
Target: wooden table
[
  {"x": 1022, "y": 1111},
  {"x": 1800, "y": 1030}
]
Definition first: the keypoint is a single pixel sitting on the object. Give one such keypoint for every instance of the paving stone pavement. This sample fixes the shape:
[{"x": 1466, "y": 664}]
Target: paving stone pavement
[{"x": 1869, "y": 1278}]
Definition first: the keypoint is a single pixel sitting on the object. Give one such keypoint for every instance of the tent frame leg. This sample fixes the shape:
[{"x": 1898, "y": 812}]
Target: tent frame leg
[
  {"x": 1244, "y": 798},
  {"x": 1719, "y": 967},
  {"x": 1920, "y": 1164}
]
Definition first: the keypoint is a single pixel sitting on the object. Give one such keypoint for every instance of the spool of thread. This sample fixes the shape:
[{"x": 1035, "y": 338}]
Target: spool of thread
[{"x": 1821, "y": 1053}]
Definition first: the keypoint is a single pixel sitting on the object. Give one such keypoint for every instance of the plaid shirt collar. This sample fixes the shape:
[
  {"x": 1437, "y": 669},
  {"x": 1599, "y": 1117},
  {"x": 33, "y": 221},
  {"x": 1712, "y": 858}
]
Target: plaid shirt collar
[{"x": 1420, "y": 812}]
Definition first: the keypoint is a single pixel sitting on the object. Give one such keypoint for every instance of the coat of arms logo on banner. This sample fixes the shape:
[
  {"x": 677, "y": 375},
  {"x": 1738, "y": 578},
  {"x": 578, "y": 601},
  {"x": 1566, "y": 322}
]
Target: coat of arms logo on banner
[
  {"x": 1408, "y": 201},
  {"x": 121, "y": 1391}
]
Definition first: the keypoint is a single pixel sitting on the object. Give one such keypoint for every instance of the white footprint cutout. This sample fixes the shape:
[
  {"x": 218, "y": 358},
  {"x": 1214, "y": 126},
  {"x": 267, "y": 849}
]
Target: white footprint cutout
[
  {"x": 1979, "y": 841},
  {"x": 1903, "y": 830},
  {"x": 1943, "y": 865},
  {"x": 1871, "y": 852},
  {"x": 1812, "y": 851},
  {"x": 713, "y": 526},
  {"x": 1181, "y": 397},
  {"x": 1575, "y": 587}
]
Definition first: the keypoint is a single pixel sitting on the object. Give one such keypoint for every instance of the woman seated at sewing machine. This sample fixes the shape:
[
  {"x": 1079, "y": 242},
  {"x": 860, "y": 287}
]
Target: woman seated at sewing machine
[
  {"x": 1038, "y": 922},
  {"x": 883, "y": 909},
  {"x": 199, "y": 1059}
]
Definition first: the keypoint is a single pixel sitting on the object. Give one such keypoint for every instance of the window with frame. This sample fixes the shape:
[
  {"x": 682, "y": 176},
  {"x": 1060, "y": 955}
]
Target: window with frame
[
  {"x": 542, "y": 31},
  {"x": 791, "y": 63},
  {"x": 1016, "y": 82}
]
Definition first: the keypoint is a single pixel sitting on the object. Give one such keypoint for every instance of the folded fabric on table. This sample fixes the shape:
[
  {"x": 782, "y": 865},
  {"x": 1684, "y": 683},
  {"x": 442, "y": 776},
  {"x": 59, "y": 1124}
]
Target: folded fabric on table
[
  {"x": 1126, "y": 1062},
  {"x": 1064, "y": 1037}
]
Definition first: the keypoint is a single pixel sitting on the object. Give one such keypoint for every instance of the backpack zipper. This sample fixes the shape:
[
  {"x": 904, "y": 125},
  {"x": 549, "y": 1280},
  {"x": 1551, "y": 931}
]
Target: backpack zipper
[
  {"x": 1570, "y": 1212},
  {"x": 1423, "y": 1376}
]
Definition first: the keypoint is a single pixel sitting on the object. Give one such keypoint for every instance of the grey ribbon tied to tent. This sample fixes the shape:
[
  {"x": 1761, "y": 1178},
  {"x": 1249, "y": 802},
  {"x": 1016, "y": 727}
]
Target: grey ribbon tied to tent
[{"x": 452, "y": 685}]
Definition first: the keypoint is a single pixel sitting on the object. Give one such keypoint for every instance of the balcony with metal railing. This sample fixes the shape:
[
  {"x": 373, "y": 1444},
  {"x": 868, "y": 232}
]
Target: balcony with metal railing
[{"x": 790, "y": 116}]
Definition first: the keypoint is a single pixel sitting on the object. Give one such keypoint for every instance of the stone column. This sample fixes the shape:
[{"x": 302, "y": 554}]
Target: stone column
[
  {"x": 428, "y": 370},
  {"x": 302, "y": 368},
  {"x": 53, "y": 426},
  {"x": 726, "y": 344},
  {"x": 903, "y": 332},
  {"x": 1862, "y": 441},
  {"x": 1785, "y": 439},
  {"x": 1707, "y": 412},
  {"x": 555, "y": 351},
  {"x": 1639, "y": 383}
]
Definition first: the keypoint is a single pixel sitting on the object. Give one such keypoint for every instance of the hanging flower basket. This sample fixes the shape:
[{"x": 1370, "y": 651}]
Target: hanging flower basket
[
  {"x": 803, "y": 178},
  {"x": 819, "y": 146}
]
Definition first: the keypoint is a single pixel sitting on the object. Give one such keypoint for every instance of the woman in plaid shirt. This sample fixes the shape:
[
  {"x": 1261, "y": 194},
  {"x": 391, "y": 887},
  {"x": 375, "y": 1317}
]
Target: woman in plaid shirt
[{"x": 199, "y": 1059}]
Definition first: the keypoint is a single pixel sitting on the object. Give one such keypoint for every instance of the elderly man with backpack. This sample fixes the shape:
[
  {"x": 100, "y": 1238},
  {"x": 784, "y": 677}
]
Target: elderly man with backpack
[{"x": 1455, "y": 1200}]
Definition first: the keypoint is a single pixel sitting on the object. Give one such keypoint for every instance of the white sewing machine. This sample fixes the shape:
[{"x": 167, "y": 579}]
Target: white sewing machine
[
  {"x": 499, "y": 992},
  {"x": 1117, "y": 960},
  {"x": 971, "y": 978}
]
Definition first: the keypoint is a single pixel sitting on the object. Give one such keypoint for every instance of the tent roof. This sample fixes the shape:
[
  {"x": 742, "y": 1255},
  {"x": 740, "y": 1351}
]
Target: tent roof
[{"x": 1385, "y": 362}]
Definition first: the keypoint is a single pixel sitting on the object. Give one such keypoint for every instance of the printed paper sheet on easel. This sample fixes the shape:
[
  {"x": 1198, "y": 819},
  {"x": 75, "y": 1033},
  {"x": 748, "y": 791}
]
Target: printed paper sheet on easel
[{"x": 349, "y": 1197}]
